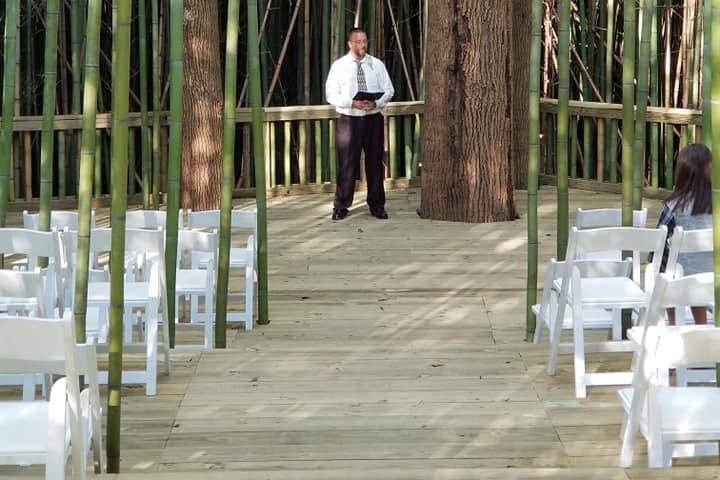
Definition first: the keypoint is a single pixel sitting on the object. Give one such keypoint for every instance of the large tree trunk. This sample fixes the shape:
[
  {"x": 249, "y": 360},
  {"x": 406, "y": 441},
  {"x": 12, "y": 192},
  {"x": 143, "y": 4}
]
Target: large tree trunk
[
  {"x": 203, "y": 109},
  {"x": 519, "y": 13},
  {"x": 467, "y": 173}
]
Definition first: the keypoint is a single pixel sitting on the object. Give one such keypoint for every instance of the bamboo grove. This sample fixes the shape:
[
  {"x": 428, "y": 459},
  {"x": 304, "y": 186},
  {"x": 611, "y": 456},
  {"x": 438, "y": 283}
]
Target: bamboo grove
[
  {"x": 627, "y": 83},
  {"x": 600, "y": 72},
  {"x": 298, "y": 41}
]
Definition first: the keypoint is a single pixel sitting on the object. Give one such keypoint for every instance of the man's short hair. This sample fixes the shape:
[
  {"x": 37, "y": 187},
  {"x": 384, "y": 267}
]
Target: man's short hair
[{"x": 352, "y": 31}]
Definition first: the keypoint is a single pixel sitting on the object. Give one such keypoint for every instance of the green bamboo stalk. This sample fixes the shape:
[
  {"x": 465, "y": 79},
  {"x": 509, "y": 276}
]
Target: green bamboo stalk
[
  {"x": 628, "y": 117},
  {"x": 156, "y": 157},
  {"x": 61, "y": 161},
  {"x": 654, "y": 155},
  {"x": 533, "y": 168},
  {"x": 643, "y": 93},
  {"x": 371, "y": 7},
  {"x": 715, "y": 116},
  {"x": 87, "y": 159},
  {"x": 144, "y": 130},
  {"x": 120, "y": 107},
  {"x": 707, "y": 136},
  {"x": 573, "y": 146},
  {"x": 97, "y": 164},
  {"x": 563, "y": 122},
  {"x": 8, "y": 104},
  {"x": 393, "y": 147},
  {"x": 255, "y": 103},
  {"x": 324, "y": 69},
  {"x": 408, "y": 143},
  {"x": 340, "y": 28},
  {"x": 669, "y": 134},
  {"x": 287, "y": 173},
  {"x": 318, "y": 152},
  {"x": 610, "y": 126},
  {"x": 131, "y": 162},
  {"x": 271, "y": 147},
  {"x": 694, "y": 71},
  {"x": 585, "y": 91},
  {"x": 228, "y": 171},
  {"x": 174, "y": 157},
  {"x": 49, "y": 87},
  {"x": 76, "y": 24}
]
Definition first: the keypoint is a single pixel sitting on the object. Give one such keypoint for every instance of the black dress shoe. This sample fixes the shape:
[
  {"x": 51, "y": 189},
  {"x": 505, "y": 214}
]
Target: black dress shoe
[
  {"x": 379, "y": 213},
  {"x": 340, "y": 213}
]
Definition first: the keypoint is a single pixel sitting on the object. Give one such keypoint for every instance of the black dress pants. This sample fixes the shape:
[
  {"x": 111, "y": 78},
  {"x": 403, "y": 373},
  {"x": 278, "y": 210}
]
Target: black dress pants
[{"x": 353, "y": 135}]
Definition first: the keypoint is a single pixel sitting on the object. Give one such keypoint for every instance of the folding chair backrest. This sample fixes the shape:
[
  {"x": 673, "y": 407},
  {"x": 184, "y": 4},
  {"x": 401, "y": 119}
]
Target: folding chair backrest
[
  {"x": 144, "y": 241},
  {"x": 24, "y": 285},
  {"x": 59, "y": 219},
  {"x": 688, "y": 241},
  {"x": 617, "y": 238},
  {"x": 194, "y": 241},
  {"x": 31, "y": 243},
  {"x": 149, "y": 219},
  {"x": 607, "y": 217},
  {"x": 41, "y": 345},
  {"x": 210, "y": 219}
]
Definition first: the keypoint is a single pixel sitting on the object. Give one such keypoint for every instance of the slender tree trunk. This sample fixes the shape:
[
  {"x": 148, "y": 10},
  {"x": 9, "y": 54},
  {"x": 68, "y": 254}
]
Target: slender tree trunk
[
  {"x": 8, "y": 97},
  {"x": 467, "y": 176},
  {"x": 202, "y": 106}
]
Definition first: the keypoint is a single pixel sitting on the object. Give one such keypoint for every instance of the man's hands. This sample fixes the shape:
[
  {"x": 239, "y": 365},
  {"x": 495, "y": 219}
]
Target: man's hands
[{"x": 366, "y": 105}]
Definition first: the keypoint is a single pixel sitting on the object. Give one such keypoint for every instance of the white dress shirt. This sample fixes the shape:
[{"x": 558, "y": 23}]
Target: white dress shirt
[{"x": 341, "y": 85}]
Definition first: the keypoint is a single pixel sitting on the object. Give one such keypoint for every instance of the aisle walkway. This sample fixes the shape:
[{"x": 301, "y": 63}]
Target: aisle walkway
[{"x": 395, "y": 352}]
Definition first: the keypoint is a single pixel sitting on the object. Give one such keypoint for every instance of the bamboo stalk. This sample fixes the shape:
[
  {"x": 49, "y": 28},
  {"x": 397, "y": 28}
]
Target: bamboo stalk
[
  {"x": 669, "y": 135},
  {"x": 156, "y": 156},
  {"x": 8, "y": 105},
  {"x": 144, "y": 130},
  {"x": 715, "y": 116},
  {"x": 255, "y": 102},
  {"x": 120, "y": 107},
  {"x": 654, "y": 154},
  {"x": 87, "y": 160},
  {"x": 228, "y": 172},
  {"x": 533, "y": 169},
  {"x": 643, "y": 93},
  {"x": 708, "y": 20},
  {"x": 174, "y": 157},
  {"x": 628, "y": 121},
  {"x": 610, "y": 149},
  {"x": 563, "y": 122},
  {"x": 49, "y": 88}
]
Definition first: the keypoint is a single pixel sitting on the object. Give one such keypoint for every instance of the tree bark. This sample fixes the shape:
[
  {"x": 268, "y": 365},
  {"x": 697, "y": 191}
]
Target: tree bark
[
  {"x": 519, "y": 13},
  {"x": 467, "y": 174},
  {"x": 202, "y": 107}
]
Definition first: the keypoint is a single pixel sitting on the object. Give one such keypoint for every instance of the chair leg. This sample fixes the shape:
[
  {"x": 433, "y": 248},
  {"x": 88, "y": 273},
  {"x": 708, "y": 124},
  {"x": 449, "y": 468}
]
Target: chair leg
[
  {"x": 128, "y": 326},
  {"x": 537, "y": 336},
  {"x": 617, "y": 325},
  {"x": 194, "y": 308},
  {"x": 249, "y": 298},
  {"x": 151, "y": 339},
  {"x": 579, "y": 355}
]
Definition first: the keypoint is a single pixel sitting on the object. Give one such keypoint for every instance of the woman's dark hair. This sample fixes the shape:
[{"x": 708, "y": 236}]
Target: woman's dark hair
[{"x": 693, "y": 180}]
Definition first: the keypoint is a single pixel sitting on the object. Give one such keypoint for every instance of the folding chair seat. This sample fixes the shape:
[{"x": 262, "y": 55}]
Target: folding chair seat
[
  {"x": 675, "y": 421},
  {"x": 594, "y": 319},
  {"x": 69, "y": 423},
  {"x": 242, "y": 221},
  {"x": 592, "y": 293},
  {"x": 198, "y": 282}
]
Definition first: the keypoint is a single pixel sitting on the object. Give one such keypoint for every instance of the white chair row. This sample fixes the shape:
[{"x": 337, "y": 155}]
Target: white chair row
[
  {"x": 676, "y": 421},
  {"x": 69, "y": 423}
]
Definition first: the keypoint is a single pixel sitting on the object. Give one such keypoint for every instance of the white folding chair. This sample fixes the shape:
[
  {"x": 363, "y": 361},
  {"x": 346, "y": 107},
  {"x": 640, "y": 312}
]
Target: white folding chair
[
  {"x": 147, "y": 295},
  {"x": 197, "y": 282},
  {"x": 34, "y": 244},
  {"x": 240, "y": 257},
  {"x": 21, "y": 293},
  {"x": 672, "y": 419},
  {"x": 59, "y": 220},
  {"x": 70, "y": 423},
  {"x": 583, "y": 294},
  {"x": 597, "y": 319}
]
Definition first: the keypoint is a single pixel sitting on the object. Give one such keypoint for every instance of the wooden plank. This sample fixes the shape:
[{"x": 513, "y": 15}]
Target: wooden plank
[{"x": 676, "y": 116}]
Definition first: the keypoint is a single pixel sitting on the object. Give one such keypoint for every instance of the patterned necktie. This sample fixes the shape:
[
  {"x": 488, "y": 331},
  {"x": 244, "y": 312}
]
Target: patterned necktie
[{"x": 362, "y": 84}]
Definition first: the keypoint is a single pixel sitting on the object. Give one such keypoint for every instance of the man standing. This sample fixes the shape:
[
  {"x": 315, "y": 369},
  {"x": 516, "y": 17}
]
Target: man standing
[{"x": 360, "y": 126}]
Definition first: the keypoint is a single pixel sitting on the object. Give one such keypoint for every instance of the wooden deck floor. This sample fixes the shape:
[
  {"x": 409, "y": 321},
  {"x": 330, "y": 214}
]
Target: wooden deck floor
[{"x": 396, "y": 351}]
